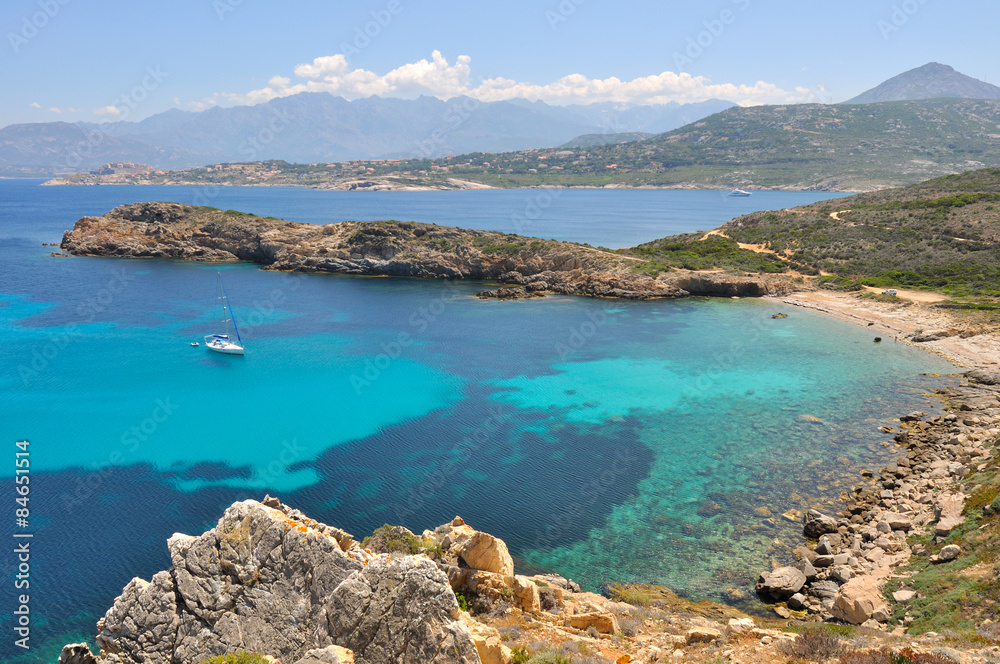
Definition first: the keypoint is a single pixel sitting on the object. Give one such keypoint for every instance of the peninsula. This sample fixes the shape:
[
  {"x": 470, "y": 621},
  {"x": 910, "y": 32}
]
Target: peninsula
[{"x": 409, "y": 249}]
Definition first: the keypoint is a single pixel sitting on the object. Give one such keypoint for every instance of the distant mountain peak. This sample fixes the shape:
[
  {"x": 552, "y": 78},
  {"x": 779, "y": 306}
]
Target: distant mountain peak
[{"x": 931, "y": 81}]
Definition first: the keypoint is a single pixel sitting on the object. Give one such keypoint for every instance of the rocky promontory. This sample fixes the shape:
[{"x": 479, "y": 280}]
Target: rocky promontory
[{"x": 391, "y": 248}]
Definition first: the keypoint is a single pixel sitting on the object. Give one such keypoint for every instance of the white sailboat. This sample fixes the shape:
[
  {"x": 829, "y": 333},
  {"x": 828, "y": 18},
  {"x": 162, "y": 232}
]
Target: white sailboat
[{"x": 223, "y": 343}]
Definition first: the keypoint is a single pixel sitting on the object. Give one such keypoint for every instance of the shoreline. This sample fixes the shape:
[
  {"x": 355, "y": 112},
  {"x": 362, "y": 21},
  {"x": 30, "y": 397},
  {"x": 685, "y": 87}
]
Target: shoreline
[
  {"x": 962, "y": 342},
  {"x": 61, "y": 181}
]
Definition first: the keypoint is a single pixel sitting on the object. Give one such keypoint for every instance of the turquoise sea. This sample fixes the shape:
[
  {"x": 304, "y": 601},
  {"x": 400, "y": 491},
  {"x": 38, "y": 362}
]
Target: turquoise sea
[{"x": 634, "y": 441}]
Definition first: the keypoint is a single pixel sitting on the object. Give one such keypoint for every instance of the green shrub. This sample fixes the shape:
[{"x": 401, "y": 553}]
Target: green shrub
[
  {"x": 814, "y": 645},
  {"x": 634, "y": 596},
  {"x": 519, "y": 656},
  {"x": 236, "y": 658}
]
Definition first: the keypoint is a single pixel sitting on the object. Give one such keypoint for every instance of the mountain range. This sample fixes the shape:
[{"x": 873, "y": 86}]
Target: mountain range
[
  {"x": 319, "y": 127},
  {"x": 947, "y": 122}
]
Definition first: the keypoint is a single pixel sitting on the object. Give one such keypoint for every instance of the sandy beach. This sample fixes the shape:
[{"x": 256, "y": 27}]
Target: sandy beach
[{"x": 967, "y": 338}]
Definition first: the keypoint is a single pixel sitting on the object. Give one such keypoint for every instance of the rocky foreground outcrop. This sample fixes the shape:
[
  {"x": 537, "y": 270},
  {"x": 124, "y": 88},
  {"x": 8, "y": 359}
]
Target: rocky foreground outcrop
[
  {"x": 268, "y": 579},
  {"x": 172, "y": 230}
]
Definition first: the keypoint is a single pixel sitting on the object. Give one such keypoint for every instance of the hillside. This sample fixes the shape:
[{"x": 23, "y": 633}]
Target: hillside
[
  {"x": 859, "y": 147},
  {"x": 839, "y": 148},
  {"x": 943, "y": 235},
  {"x": 931, "y": 81},
  {"x": 319, "y": 127}
]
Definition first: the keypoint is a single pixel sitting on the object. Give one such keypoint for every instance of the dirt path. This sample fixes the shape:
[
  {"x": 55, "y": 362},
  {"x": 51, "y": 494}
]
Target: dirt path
[
  {"x": 915, "y": 296},
  {"x": 756, "y": 248},
  {"x": 836, "y": 215}
]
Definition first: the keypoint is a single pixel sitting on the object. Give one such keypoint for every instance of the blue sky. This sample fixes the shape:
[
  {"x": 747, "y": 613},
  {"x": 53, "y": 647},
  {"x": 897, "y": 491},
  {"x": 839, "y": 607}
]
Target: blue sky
[{"x": 75, "y": 60}]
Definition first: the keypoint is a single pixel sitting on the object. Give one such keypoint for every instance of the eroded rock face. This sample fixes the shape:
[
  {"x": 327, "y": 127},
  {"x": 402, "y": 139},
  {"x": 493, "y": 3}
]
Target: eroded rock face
[{"x": 268, "y": 579}]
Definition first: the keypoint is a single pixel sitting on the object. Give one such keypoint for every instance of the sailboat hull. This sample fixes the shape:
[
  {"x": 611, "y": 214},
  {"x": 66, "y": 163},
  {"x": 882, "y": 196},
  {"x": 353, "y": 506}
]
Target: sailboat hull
[
  {"x": 228, "y": 350},
  {"x": 223, "y": 345}
]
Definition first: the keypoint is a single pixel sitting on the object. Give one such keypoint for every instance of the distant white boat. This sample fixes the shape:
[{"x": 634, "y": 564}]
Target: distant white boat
[
  {"x": 223, "y": 343},
  {"x": 740, "y": 192}
]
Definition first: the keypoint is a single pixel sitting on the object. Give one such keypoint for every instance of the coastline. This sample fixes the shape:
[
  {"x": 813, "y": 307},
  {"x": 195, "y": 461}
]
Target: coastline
[
  {"x": 451, "y": 184},
  {"x": 966, "y": 343}
]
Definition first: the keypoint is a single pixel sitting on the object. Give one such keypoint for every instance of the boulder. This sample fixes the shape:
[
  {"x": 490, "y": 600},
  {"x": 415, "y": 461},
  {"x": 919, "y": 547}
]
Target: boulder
[
  {"x": 824, "y": 590},
  {"x": 739, "y": 626},
  {"x": 897, "y": 521},
  {"x": 903, "y": 595},
  {"x": 947, "y": 554},
  {"x": 860, "y": 600},
  {"x": 76, "y": 653},
  {"x": 815, "y": 524},
  {"x": 605, "y": 623},
  {"x": 806, "y": 568},
  {"x": 268, "y": 579},
  {"x": 948, "y": 511},
  {"x": 841, "y": 574},
  {"x": 780, "y": 584},
  {"x": 983, "y": 377},
  {"x": 526, "y": 592},
  {"x": 489, "y": 645},
  {"x": 701, "y": 635},
  {"x": 485, "y": 552}
]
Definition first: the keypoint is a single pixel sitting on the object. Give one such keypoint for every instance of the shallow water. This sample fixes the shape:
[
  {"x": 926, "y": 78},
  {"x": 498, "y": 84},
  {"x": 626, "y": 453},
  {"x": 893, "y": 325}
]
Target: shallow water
[{"x": 636, "y": 441}]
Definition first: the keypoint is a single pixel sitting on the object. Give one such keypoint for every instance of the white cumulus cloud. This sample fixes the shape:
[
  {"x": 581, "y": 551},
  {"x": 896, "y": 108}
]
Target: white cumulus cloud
[{"x": 438, "y": 78}]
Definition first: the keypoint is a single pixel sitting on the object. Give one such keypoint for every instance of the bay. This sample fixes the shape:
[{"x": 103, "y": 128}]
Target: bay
[{"x": 608, "y": 441}]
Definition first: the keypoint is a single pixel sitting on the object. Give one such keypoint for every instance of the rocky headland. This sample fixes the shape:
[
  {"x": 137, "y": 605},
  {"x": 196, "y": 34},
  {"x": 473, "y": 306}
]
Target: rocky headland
[{"x": 390, "y": 248}]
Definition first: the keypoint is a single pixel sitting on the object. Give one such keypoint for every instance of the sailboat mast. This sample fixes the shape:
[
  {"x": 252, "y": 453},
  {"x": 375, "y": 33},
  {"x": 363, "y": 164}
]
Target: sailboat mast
[{"x": 227, "y": 312}]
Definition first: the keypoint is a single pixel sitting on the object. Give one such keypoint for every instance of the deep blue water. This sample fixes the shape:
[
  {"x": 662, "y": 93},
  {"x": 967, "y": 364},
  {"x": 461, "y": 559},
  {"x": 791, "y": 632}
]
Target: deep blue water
[{"x": 604, "y": 440}]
